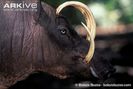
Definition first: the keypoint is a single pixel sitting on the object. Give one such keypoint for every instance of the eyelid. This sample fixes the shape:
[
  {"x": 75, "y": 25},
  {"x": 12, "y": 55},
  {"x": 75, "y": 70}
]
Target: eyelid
[{"x": 61, "y": 27}]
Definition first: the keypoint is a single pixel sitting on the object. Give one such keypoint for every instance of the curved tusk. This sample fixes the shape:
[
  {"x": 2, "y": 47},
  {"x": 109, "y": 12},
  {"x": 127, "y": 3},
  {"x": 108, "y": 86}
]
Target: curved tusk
[
  {"x": 92, "y": 44},
  {"x": 89, "y": 18},
  {"x": 91, "y": 26}
]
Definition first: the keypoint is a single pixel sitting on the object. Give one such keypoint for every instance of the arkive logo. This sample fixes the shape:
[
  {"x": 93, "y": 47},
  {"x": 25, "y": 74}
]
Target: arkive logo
[{"x": 20, "y": 6}]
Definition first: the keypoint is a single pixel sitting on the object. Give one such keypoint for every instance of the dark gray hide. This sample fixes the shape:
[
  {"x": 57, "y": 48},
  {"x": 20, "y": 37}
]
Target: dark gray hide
[{"x": 40, "y": 41}]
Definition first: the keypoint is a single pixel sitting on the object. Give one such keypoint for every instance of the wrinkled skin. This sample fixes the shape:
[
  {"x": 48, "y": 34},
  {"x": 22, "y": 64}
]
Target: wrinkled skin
[{"x": 39, "y": 41}]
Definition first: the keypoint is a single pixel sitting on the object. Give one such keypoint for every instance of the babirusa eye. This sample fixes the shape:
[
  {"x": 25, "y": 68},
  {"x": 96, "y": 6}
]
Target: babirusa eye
[{"x": 63, "y": 31}]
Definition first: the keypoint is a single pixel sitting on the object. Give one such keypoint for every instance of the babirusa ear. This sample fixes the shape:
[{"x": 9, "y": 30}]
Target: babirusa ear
[{"x": 91, "y": 26}]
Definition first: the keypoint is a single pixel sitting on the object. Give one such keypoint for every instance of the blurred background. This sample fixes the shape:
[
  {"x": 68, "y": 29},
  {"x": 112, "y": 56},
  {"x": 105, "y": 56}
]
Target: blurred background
[
  {"x": 114, "y": 19},
  {"x": 106, "y": 12}
]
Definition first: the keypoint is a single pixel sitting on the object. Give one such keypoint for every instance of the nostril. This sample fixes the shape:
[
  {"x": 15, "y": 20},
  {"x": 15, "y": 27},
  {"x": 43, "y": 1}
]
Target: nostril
[
  {"x": 106, "y": 74},
  {"x": 110, "y": 73}
]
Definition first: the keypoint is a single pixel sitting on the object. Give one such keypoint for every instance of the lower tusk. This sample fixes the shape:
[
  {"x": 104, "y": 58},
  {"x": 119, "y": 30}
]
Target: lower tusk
[{"x": 92, "y": 44}]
